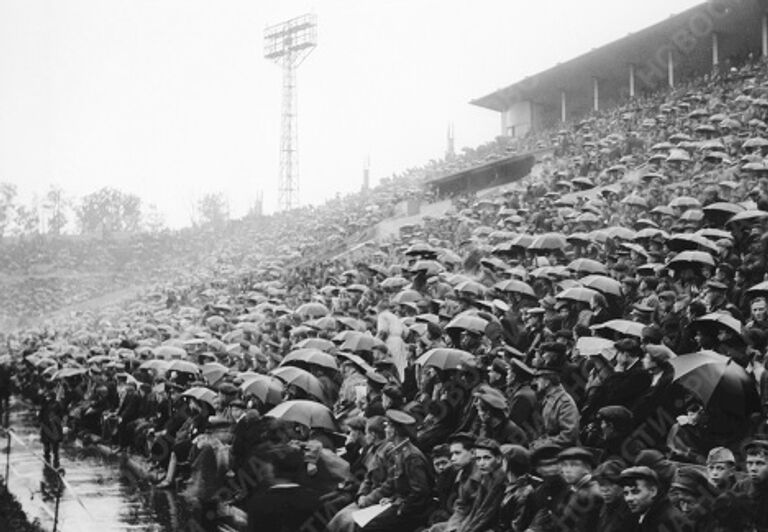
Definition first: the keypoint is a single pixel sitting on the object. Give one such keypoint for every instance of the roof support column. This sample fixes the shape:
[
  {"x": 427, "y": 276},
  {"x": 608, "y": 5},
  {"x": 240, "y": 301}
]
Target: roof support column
[
  {"x": 562, "y": 106},
  {"x": 715, "y": 52},
  {"x": 595, "y": 94},
  {"x": 764, "y": 34},
  {"x": 631, "y": 80},
  {"x": 670, "y": 70}
]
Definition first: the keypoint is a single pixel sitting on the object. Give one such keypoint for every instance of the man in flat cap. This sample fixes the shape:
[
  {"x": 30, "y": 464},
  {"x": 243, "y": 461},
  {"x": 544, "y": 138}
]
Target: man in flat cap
[
  {"x": 652, "y": 509},
  {"x": 754, "y": 488},
  {"x": 692, "y": 494},
  {"x": 408, "y": 487},
  {"x": 581, "y": 509},
  {"x": 614, "y": 513},
  {"x": 493, "y": 418}
]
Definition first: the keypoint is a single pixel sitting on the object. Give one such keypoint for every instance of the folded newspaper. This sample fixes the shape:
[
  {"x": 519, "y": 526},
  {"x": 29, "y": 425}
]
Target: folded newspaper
[{"x": 366, "y": 515}]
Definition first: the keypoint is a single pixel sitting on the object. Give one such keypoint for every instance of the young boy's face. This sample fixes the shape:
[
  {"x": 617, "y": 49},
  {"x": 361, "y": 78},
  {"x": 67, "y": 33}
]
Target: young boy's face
[
  {"x": 440, "y": 463},
  {"x": 718, "y": 473}
]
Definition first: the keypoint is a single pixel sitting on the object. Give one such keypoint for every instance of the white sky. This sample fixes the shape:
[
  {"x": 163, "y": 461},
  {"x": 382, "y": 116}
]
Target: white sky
[{"x": 172, "y": 99}]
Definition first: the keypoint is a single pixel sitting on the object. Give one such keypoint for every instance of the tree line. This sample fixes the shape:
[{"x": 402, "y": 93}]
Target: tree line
[{"x": 103, "y": 213}]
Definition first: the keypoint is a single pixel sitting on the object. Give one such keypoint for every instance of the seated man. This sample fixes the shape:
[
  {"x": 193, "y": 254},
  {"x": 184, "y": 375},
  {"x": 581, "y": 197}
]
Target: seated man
[{"x": 652, "y": 509}]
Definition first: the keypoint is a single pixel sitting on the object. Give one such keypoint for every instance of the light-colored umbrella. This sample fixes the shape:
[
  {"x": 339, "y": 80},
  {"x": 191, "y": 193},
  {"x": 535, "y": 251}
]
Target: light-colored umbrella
[
  {"x": 445, "y": 358},
  {"x": 308, "y": 413}
]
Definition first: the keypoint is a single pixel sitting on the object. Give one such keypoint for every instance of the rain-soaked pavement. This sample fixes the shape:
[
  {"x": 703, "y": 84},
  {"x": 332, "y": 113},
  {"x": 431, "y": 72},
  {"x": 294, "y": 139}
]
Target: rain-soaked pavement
[{"x": 97, "y": 499}]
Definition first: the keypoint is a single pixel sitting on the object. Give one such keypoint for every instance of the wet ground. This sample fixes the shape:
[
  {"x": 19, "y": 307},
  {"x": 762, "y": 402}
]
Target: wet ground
[{"x": 95, "y": 498}]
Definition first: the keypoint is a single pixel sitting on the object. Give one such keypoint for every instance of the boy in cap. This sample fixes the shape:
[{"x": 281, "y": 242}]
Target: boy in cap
[
  {"x": 581, "y": 509},
  {"x": 614, "y": 513},
  {"x": 754, "y": 488},
  {"x": 720, "y": 469},
  {"x": 652, "y": 510}
]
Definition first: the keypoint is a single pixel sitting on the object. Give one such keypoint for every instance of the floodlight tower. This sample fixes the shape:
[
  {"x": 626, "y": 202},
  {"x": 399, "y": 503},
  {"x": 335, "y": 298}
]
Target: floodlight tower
[{"x": 288, "y": 44}]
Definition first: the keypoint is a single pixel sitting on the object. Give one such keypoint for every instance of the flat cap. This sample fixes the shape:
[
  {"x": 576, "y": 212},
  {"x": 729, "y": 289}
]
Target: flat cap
[
  {"x": 719, "y": 455},
  {"x": 492, "y": 398},
  {"x": 615, "y": 413},
  {"x": 717, "y": 285},
  {"x": 577, "y": 453},
  {"x": 400, "y": 418},
  {"x": 756, "y": 446},
  {"x": 489, "y": 444},
  {"x": 610, "y": 470},
  {"x": 546, "y": 454},
  {"x": 465, "y": 438},
  {"x": 691, "y": 480},
  {"x": 631, "y": 474},
  {"x": 553, "y": 347}
]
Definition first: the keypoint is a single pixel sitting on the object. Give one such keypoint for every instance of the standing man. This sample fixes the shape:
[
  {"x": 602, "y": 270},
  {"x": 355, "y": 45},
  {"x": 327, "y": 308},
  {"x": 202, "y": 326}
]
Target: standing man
[{"x": 51, "y": 418}]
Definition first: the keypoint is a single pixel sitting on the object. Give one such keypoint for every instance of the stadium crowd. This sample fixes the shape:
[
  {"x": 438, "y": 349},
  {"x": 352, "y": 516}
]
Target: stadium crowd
[{"x": 582, "y": 351}]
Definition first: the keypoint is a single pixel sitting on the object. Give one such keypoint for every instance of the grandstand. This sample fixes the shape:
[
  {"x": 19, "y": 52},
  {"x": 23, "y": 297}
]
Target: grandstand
[{"x": 706, "y": 39}]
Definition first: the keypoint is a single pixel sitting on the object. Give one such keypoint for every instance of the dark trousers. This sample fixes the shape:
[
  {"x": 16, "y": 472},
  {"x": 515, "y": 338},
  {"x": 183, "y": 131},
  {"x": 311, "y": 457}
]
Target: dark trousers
[
  {"x": 389, "y": 521},
  {"x": 51, "y": 447}
]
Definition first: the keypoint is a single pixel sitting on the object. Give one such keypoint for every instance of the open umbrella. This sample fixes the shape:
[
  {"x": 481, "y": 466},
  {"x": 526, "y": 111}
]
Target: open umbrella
[
  {"x": 590, "y": 346},
  {"x": 471, "y": 287},
  {"x": 311, "y": 356},
  {"x": 625, "y": 327},
  {"x": 407, "y": 296},
  {"x": 213, "y": 372},
  {"x": 635, "y": 200},
  {"x": 169, "y": 351},
  {"x": 312, "y": 310},
  {"x": 158, "y": 366},
  {"x": 184, "y": 366},
  {"x": 716, "y": 378},
  {"x": 577, "y": 293},
  {"x": 395, "y": 283},
  {"x": 719, "y": 320},
  {"x": 587, "y": 266},
  {"x": 691, "y": 259},
  {"x": 747, "y": 216},
  {"x": 468, "y": 322},
  {"x": 548, "y": 241},
  {"x": 301, "y": 379},
  {"x": 66, "y": 373},
  {"x": 326, "y": 323},
  {"x": 603, "y": 284},
  {"x": 445, "y": 358},
  {"x": 690, "y": 241},
  {"x": 685, "y": 202},
  {"x": 429, "y": 267},
  {"x": 315, "y": 343},
  {"x": 267, "y": 388},
  {"x": 515, "y": 287},
  {"x": 760, "y": 289},
  {"x": 203, "y": 394},
  {"x": 308, "y": 413}
]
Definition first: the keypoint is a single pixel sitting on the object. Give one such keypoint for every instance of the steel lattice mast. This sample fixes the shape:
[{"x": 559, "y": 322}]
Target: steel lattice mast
[{"x": 288, "y": 44}]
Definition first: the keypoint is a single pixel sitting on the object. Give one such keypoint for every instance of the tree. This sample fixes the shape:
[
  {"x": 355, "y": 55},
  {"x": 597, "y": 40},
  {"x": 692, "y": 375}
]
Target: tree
[
  {"x": 57, "y": 204},
  {"x": 213, "y": 209},
  {"x": 7, "y": 199},
  {"x": 109, "y": 211},
  {"x": 27, "y": 220},
  {"x": 154, "y": 220}
]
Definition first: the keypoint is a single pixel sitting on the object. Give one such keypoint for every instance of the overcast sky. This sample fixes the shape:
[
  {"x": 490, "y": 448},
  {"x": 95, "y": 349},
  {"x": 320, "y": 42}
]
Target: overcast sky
[{"x": 172, "y": 99}]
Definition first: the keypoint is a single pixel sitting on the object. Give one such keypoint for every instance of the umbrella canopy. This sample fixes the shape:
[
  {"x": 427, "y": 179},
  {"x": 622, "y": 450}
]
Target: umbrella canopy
[
  {"x": 691, "y": 259},
  {"x": 635, "y": 200},
  {"x": 315, "y": 343},
  {"x": 445, "y": 358},
  {"x": 312, "y": 310},
  {"x": 158, "y": 366},
  {"x": 169, "y": 351},
  {"x": 587, "y": 266},
  {"x": 471, "y": 287},
  {"x": 267, "y": 388},
  {"x": 407, "y": 296},
  {"x": 747, "y": 216},
  {"x": 690, "y": 241},
  {"x": 301, "y": 379},
  {"x": 760, "y": 289},
  {"x": 685, "y": 202},
  {"x": 184, "y": 366},
  {"x": 311, "y": 356},
  {"x": 515, "y": 287},
  {"x": 625, "y": 327},
  {"x": 468, "y": 322},
  {"x": 326, "y": 323},
  {"x": 548, "y": 241},
  {"x": 602, "y": 283},
  {"x": 66, "y": 373},
  {"x": 577, "y": 293},
  {"x": 395, "y": 283},
  {"x": 716, "y": 378},
  {"x": 308, "y": 413},
  {"x": 429, "y": 267},
  {"x": 358, "y": 341},
  {"x": 203, "y": 394},
  {"x": 719, "y": 320},
  {"x": 213, "y": 372},
  {"x": 590, "y": 346}
]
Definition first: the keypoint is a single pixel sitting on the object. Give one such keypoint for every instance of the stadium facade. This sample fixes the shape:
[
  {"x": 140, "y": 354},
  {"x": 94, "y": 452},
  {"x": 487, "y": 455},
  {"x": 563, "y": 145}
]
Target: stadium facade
[{"x": 707, "y": 38}]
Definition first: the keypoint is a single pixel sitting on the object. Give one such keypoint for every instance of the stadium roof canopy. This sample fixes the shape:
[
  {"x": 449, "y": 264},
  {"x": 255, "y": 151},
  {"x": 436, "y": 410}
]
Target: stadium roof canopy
[
  {"x": 484, "y": 176},
  {"x": 738, "y": 25}
]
